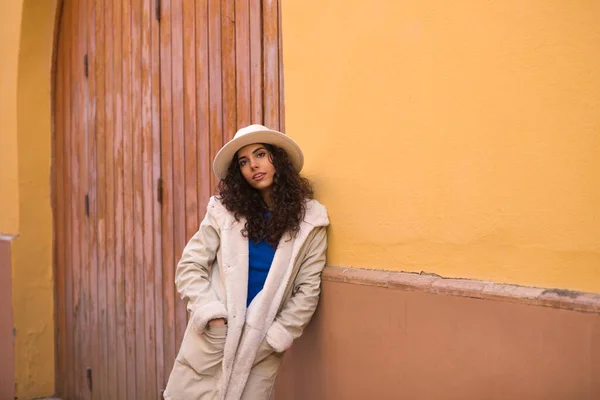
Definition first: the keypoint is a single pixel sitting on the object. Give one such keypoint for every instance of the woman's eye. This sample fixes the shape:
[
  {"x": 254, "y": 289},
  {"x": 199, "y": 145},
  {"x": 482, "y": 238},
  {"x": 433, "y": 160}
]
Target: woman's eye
[
  {"x": 243, "y": 162},
  {"x": 261, "y": 154}
]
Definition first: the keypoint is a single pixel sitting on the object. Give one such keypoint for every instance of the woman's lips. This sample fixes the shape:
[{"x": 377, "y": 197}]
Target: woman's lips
[{"x": 259, "y": 176}]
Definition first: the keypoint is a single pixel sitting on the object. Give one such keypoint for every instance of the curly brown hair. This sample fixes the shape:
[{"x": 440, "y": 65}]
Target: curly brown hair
[{"x": 288, "y": 197}]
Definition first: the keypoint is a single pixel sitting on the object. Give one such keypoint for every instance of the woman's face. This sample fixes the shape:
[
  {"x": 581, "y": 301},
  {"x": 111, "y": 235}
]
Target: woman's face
[{"x": 256, "y": 166}]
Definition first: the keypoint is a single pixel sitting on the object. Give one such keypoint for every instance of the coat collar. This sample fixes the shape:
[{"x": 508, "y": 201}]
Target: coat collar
[{"x": 316, "y": 214}]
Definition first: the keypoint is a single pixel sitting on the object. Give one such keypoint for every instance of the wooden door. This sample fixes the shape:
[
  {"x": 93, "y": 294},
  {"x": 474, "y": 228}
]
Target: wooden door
[{"x": 145, "y": 94}]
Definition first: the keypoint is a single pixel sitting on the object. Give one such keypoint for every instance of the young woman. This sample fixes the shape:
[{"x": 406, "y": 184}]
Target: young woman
[{"x": 251, "y": 275}]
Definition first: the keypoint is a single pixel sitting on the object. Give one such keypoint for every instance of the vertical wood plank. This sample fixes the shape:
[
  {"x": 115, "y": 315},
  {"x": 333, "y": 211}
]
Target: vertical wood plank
[
  {"x": 271, "y": 63},
  {"x": 82, "y": 160},
  {"x": 69, "y": 309},
  {"x": 191, "y": 145},
  {"x": 137, "y": 112},
  {"x": 167, "y": 196},
  {"x": 120, "y": 126},
  {"x": 91, "y": 281},
  {"x": 179, "y": 152},
  {"x": 110, "y": 107},
  {"x": 215, "y": 71},
  {"x": 86, "y": 218},
  {"x": 76, "y": 201},
  {"x": 129, "y": 267},
  {"x": 147, "y": 333},
  {"x": 280, "y": 61},
  {"x": 157, "y": 209},
  {"x": 77, "y": 198},
  {"x": 256, "y": 62},
  {"x": 242, "y": 63},
  {"x": 203, "y": 106},
  {"x": 100, "y": 388},
  {"x": 228, "y": 73}
]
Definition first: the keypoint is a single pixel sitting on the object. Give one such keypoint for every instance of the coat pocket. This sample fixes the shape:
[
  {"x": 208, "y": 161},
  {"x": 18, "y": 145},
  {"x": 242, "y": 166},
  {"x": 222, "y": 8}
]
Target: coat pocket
[
  {"x": 264, "y": 351},
  {"x": 203, "y": 352}
]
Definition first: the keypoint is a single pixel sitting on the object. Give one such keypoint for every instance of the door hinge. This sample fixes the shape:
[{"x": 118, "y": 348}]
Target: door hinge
[
  {"x": 86, "y": 69},
  {"x": 159, "y": 190},
  {"x": 87, "y": 205},
  {"x": 158, "y": 9},
  {"x": 89, "y": 378}
]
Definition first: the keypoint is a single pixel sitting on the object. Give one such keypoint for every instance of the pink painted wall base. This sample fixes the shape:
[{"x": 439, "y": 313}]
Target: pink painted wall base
[{"x": 367, "y": 341}]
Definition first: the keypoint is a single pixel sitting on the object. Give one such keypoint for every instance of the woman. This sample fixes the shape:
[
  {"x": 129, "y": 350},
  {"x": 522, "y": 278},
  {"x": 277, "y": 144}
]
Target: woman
[{"x": 251, "y": 275}]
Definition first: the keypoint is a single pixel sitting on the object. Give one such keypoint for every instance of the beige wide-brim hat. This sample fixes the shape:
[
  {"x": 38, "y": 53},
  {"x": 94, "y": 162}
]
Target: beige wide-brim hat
[{"x": 256, "y": 134}]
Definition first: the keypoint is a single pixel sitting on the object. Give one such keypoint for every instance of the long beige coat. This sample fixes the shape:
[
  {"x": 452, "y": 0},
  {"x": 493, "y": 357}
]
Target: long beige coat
[{"x": 241, "y": 360}]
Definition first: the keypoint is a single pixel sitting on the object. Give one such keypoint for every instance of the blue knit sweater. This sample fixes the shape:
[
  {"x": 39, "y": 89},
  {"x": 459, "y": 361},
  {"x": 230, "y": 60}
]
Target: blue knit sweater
[{"x": 259, "y": 261}]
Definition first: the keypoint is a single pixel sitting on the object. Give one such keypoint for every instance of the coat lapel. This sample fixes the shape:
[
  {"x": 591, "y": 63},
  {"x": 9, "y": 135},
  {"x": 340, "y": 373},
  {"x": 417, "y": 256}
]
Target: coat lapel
[
  {"x": 235, "y": 259},
  {"x": 263, "y": 309},
  {"x": 234, "y": 250}
]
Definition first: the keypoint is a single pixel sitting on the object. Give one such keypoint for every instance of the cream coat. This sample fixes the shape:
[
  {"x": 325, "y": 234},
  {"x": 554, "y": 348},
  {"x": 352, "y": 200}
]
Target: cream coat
[{"x": 241, "y": 360}]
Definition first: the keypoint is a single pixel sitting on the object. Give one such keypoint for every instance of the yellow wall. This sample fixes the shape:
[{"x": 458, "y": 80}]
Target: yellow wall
[
  {"x": 27, "y": 29},
  {"x": 459, "y": 138},
  {"x": 10, "y": 24}
]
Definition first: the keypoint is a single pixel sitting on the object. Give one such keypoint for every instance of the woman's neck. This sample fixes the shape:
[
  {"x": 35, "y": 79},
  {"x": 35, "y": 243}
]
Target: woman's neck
[{"x": 266, "y": 196}]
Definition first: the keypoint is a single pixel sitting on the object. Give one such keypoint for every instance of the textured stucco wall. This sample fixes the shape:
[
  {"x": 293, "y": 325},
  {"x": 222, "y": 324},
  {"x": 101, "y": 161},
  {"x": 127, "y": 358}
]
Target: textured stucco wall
[
  {"x": 25, "y": 159},
  {"x": 459, "y": 138},
  {"x": 10, "y": 27}
]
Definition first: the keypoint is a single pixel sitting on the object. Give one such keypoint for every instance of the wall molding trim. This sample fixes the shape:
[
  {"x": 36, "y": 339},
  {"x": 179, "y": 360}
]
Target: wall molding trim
[{"x": 435, "y": 284}]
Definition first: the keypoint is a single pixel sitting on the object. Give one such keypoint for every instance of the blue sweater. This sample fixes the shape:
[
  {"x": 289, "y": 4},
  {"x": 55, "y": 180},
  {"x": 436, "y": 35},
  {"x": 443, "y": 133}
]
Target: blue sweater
[{"x": 259, "y": 261}]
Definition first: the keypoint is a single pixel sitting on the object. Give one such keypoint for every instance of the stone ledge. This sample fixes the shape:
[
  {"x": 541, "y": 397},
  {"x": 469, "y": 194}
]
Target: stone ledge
[{"x": 555, "y": 298}]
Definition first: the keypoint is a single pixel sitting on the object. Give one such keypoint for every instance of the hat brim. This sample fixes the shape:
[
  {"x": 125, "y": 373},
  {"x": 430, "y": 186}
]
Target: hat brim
[{"x": 225, "y": 155}]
